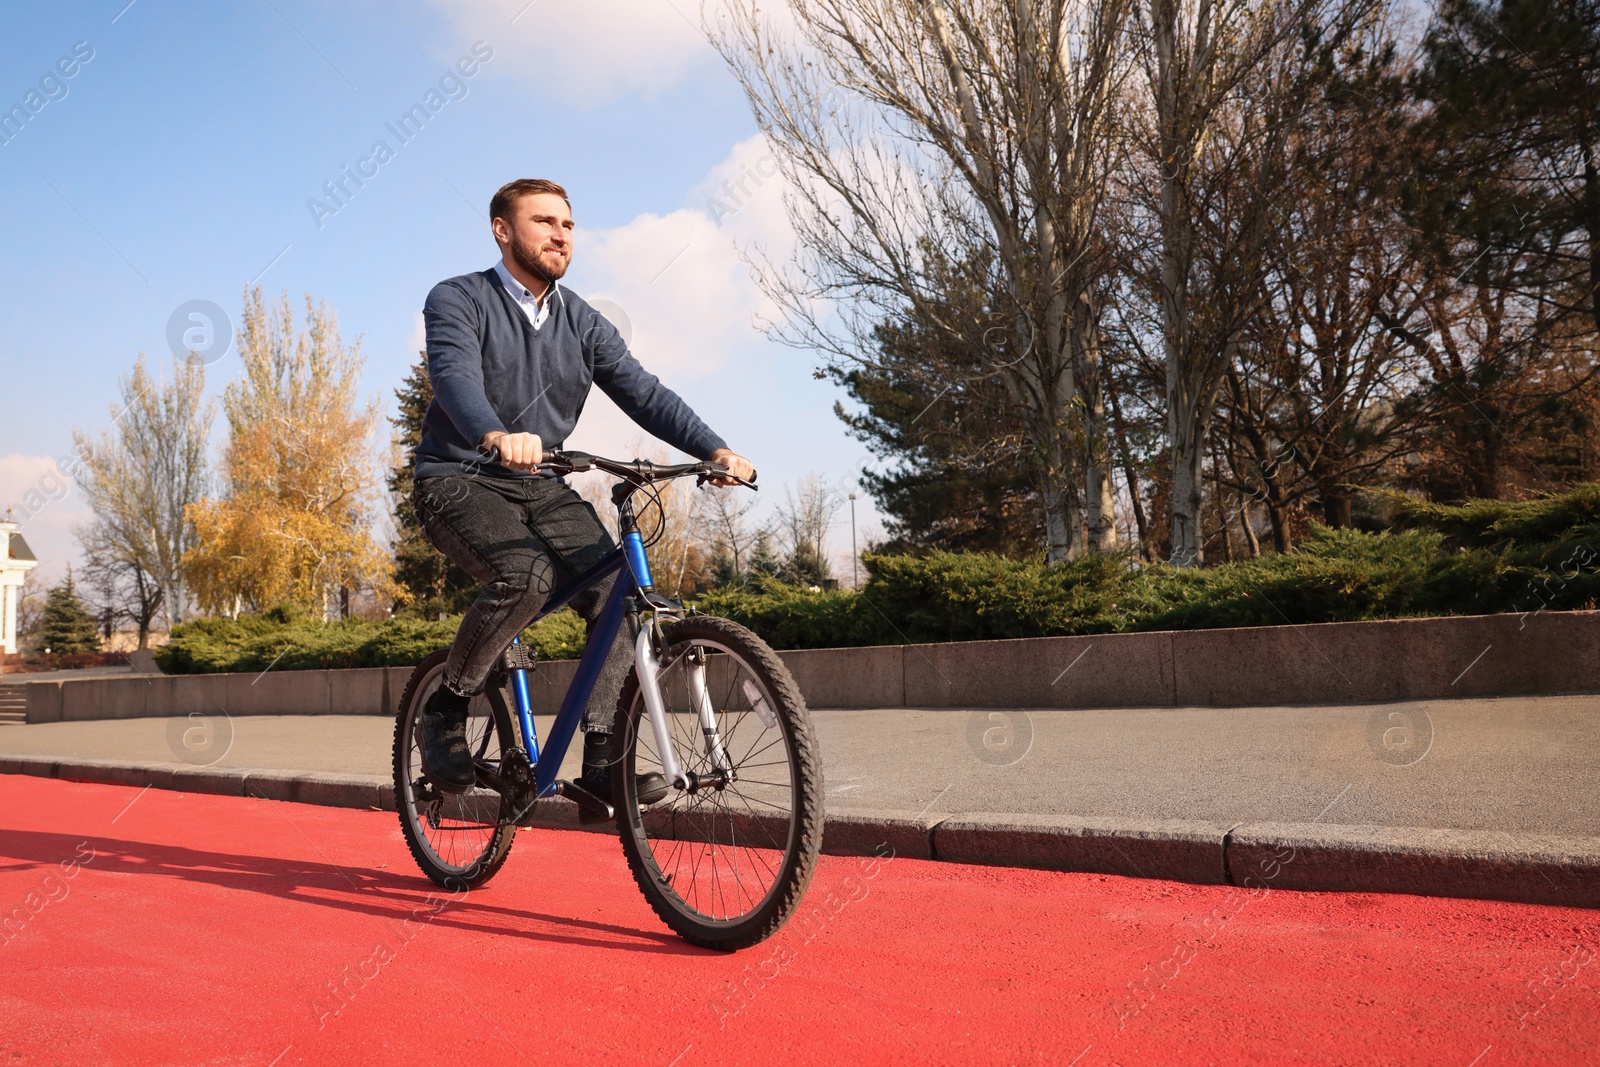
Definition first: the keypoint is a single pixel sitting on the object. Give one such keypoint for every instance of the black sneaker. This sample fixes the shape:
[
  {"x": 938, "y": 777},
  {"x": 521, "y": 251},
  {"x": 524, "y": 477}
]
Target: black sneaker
[
  {"x": 446, "y": 760},
  {"x": 596, "y": 779}
]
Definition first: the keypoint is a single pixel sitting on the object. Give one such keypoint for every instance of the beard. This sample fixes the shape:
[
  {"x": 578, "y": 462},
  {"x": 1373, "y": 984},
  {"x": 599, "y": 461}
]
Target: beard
[{"x": 547, "y": 267}]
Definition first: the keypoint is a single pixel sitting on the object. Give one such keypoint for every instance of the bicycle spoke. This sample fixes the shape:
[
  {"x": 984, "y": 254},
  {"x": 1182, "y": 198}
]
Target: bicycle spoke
[
  {"x": 724, "y": 856},
  {"x": 456, "y": 832}
]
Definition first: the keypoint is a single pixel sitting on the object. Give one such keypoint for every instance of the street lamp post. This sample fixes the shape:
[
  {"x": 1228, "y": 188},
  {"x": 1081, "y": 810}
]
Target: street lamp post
[{"x": 855, "y": 573}]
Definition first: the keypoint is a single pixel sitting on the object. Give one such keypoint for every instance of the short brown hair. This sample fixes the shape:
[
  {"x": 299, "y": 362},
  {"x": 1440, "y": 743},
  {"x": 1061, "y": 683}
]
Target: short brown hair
[{"x": 505, "y": 199}]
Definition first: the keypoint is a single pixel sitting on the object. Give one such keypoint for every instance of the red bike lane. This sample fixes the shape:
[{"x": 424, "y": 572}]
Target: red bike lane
[{"x": 158, "y": 927}]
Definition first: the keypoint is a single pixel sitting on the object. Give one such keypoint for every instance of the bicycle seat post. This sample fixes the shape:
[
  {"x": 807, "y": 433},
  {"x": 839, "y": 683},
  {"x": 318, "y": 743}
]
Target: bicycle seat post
[{"x": 517, "y": 661}]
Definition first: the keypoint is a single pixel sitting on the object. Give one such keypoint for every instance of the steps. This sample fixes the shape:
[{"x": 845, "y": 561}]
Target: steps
[{"x": 13, "y": 705}]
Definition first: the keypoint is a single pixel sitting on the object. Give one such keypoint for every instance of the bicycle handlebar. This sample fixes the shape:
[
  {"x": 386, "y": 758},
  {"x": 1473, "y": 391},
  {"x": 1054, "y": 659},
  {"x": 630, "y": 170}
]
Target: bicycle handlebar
[{"x": 638, "y": 471}]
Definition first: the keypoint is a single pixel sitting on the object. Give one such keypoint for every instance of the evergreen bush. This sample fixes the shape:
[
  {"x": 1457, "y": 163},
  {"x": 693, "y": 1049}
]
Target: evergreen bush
[
  {"x": 65, "y": 626},
  {"x": 1470, "y": 559},
  {"x": 286, "y": 639}
]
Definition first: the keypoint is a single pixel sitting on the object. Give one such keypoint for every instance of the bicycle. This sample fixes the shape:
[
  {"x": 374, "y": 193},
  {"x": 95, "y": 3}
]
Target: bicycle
[{"x": 725, "y": 857}]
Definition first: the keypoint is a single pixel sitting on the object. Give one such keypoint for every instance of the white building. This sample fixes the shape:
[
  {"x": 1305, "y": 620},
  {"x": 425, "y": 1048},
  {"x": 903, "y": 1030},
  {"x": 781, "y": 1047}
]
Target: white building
[{"x": 16, "y": 560}]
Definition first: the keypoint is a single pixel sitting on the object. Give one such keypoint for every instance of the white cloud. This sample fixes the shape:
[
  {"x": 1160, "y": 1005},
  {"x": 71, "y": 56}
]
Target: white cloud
[
  {"x": 588, "y": 51},
  {"x": 743, "y": 196},
  {"x": 681, "y": 282},
  {"x": 47, "y": 507}
]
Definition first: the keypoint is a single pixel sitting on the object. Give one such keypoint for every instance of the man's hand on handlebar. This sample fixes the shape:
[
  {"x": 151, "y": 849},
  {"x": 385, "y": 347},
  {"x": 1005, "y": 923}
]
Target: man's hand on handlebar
[
  {"x": 519, "y": 451},
  {"x": 735, "y": 464}
]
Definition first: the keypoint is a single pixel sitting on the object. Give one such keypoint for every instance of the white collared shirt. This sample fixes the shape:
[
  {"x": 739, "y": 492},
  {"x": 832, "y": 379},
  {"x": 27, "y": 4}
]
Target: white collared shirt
[{"x": 537, "y": 310}]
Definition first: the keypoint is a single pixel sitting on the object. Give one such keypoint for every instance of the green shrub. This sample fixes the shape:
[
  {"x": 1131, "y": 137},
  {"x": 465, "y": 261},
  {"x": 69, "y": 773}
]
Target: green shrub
[
  {"x": 788, "y": 616},
  {"x": 284, "y": 639},
  {"x": 1475, "y": 558},
  {"x": 968, "y": 596}
]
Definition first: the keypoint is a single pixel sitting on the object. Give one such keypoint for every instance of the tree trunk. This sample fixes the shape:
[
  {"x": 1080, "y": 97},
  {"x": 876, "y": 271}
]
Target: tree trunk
[
  {"x": 1176, "y": 248},
  {"x": 1128, "y": 470},
  {"x": 1188, "y": 542},
  {"x": 1060, "y": 521},
  {"x": 1098, "y": 500},
  {"x": 1098, "y": 497},
  {"x": 1250, "y": 537},
  {"x": 1222, "y": 520},
  {"x": 172, "y": 593},
  {"x": 1282, "y": 543},
  {"x": 1478, "y": 440},
  {"x": 1057, "y": 475},
  {"x": 1336, "y": 505},
  {"x": 1099, "y": 508}
]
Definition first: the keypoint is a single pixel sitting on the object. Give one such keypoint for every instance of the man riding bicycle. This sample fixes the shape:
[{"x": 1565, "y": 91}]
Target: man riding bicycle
[{"x": 512, "y": 355}]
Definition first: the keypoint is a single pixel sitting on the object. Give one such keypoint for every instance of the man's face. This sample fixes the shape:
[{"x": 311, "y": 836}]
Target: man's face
[{"x": 538, "y": 235}]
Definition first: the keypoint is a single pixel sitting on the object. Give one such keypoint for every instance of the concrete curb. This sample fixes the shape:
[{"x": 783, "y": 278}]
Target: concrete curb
[
  {"x": 1474, "y": 864},
  {"x": 304, "y": 787},
  {"x": 1318, "y": 664},
  {"x": 1484, "y": 864},
  {"x": 1179, "y": 850}
]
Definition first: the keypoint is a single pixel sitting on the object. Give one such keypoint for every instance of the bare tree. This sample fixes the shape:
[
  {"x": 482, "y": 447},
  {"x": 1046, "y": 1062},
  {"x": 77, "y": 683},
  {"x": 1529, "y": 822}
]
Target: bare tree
[
  {"x": 727, "y": 511},
  {"x": 113, "y": 569},
  {"x": 30, "y": 608},
  {"x": 921, "y": 135},
  {"x": 139, "y": 477},
  {"x": 1227, "y": 79},
  {"x": 1319, "y": 395},
  {"x": 803, "y": 520}
]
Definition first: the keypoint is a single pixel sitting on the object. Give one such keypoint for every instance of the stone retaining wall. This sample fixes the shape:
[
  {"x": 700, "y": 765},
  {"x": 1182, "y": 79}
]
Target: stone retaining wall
[{"x": 1329, "y": 663}]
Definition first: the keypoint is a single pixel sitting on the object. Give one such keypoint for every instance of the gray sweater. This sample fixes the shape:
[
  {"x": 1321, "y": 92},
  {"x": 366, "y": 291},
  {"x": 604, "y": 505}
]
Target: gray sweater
[{"x": 491, "y": 371}]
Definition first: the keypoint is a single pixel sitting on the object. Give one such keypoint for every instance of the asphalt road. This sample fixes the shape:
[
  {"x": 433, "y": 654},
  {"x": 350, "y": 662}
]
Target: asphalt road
[
  {"x": 158, "y": 927},
  {"x": 1524, "y": 764}
]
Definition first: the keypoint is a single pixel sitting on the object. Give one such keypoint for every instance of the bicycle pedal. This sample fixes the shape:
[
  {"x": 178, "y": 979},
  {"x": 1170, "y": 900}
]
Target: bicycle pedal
[{"x": 519, "y": 657}]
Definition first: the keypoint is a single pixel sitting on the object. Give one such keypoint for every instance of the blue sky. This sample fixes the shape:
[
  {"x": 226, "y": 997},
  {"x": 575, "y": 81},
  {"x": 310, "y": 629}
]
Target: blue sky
[{"x": 177, "y": 163}]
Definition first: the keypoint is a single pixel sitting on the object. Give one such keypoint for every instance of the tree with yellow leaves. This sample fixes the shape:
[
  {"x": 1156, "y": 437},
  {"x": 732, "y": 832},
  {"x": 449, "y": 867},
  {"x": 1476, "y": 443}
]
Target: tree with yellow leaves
[{"x": 293, "y": 525}]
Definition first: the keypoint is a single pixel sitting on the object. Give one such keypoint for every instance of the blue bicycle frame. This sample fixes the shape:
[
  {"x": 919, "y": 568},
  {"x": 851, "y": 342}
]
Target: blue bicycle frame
[{"x": 630, "y": 558}]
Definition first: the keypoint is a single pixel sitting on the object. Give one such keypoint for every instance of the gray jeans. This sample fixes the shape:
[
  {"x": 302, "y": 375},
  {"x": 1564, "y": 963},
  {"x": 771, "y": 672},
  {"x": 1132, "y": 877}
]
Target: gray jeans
[{"x": 520, "y": 537}]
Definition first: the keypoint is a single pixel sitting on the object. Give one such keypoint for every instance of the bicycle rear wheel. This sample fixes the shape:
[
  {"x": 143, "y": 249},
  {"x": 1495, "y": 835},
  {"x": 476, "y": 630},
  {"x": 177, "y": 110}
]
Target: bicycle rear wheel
[
  {"x": 725, "y": 861},
  {"x": 459, "y": 840}
]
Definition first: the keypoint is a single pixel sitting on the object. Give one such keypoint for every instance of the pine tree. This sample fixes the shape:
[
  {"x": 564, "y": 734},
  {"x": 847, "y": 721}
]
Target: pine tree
[
  {"x": 804, "y": 567},
  {"x": 764, "y": 561},
  {"x": 1510, "y": 184},
  {"x": 435, "y": 583},
  {"x": 956, "y": 472},
  {"x": 67, "y": 627}
]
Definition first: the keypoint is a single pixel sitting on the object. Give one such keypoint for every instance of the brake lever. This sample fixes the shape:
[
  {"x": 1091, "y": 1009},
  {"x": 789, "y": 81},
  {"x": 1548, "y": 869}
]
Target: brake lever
[
  {"x": 566, "y": 463},
  {"x": 705, "y": 476}
]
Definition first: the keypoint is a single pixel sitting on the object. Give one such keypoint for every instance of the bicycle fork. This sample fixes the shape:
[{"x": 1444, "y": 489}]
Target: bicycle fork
[{"x": 648, "y": 667}]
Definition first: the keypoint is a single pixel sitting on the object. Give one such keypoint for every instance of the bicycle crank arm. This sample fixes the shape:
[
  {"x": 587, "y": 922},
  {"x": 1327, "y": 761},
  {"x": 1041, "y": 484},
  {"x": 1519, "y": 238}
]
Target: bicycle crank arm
[
  {"x": 489, "y": 779},
  {"x": 584, "y": 799}
]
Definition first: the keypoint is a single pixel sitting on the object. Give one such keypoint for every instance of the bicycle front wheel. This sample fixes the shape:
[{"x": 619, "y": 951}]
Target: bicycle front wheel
[{"x": 725, "y": 857}]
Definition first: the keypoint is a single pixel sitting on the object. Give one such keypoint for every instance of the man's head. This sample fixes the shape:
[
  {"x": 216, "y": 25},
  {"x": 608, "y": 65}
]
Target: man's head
[{"x": 532, "y": 223}]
